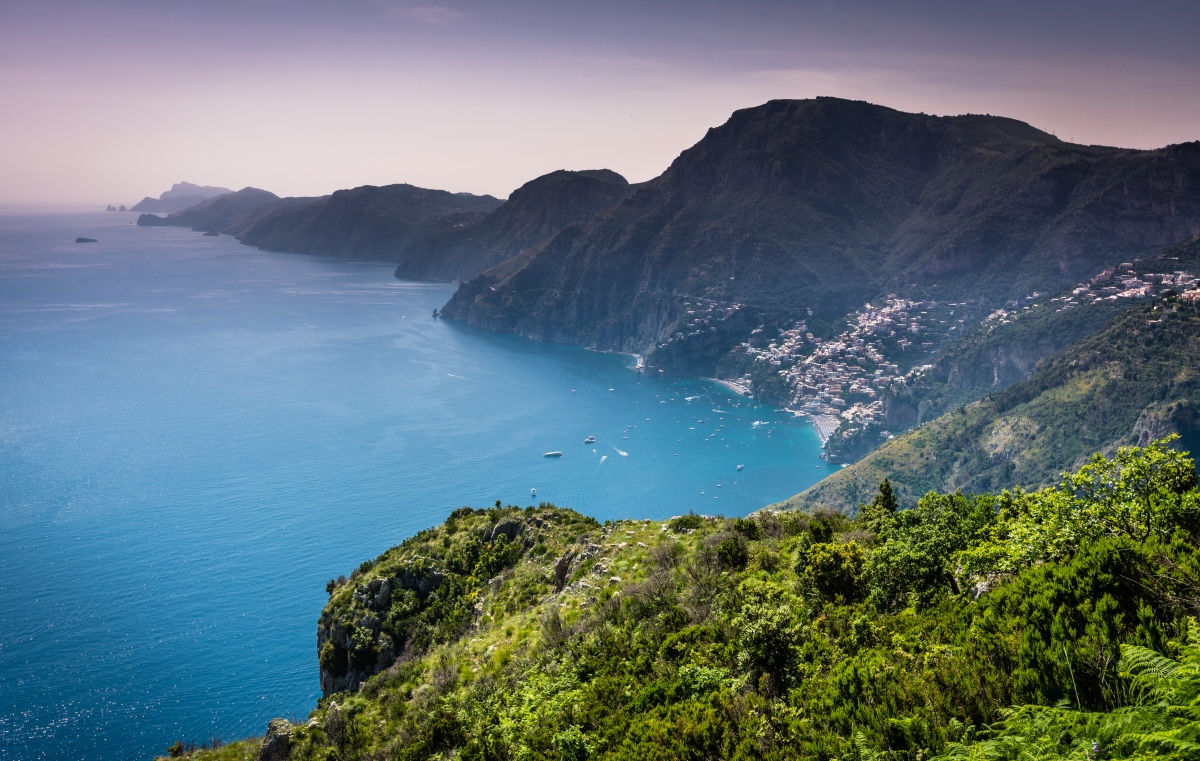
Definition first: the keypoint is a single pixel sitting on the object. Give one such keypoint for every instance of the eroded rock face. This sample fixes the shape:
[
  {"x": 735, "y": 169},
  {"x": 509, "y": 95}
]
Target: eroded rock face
[
  {"x": 562, "y": 571},
  {"x": 507, "y": 528},
  {"x": 1155, "y": 422},
  {"x": 277, "y": 745},
  {"x": 343, "y": 667}
]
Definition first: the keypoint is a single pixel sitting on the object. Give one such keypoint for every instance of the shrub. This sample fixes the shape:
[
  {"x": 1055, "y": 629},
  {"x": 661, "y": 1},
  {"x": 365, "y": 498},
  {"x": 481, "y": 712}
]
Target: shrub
[
  {"x": 732, "y": 552},
  {"x": 833, "y": 571},
  {"x": 689, "y": 522}
]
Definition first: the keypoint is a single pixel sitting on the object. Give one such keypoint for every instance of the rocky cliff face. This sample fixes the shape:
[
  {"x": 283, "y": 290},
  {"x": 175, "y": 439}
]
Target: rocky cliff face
[
  {"x": 343, "y": 666},
  {"x": 417, "y": 595},
  {"x": 823, "y": 204},
  {"x": 534, "y": 212}
]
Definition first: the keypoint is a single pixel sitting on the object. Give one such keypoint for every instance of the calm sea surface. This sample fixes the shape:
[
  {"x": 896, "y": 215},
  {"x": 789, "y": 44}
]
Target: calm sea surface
[{"x": 196, "y": 435}]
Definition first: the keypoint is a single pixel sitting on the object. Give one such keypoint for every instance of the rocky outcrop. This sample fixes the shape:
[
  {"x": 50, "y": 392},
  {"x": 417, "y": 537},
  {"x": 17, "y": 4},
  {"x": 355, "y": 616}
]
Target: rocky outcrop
[
  {"x": 1158, "y": 421},
  {"x": 277, "y": 745},
  {"x": 342, "y": 666},
  {"x": 507, "y": 528}
]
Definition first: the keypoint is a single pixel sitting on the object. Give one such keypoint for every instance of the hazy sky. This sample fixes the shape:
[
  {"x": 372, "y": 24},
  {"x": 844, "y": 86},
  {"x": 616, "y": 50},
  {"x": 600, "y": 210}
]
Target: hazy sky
[{"x": 105, "y": 102}]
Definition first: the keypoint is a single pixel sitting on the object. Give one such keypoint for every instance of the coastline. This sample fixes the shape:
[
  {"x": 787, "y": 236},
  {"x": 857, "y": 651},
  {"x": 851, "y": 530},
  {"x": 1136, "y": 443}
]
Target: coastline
[
  {"x": 733, "y": 386},
  {"x": 825, "y": 425}
]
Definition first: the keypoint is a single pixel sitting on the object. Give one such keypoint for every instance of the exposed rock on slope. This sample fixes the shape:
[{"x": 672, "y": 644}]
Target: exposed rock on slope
[
  {"x": 824, "y": 203},
  {"x": 533, "y": 212}
]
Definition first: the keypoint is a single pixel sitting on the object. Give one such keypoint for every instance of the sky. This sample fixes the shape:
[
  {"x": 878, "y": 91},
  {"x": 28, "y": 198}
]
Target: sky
[{"x": 107, "y": 102}]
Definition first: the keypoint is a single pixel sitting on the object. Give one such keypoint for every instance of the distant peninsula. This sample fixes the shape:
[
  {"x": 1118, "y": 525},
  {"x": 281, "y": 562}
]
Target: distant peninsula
[{"x": 182, "y": 195}]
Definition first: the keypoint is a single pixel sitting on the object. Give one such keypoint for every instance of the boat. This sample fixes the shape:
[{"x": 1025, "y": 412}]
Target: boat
[
  {"x": 555, "y": 453},
  {"x": 590, "y": 440},
  {"x": 533, "y": 492},
  {"x": 740, "y": 467}
]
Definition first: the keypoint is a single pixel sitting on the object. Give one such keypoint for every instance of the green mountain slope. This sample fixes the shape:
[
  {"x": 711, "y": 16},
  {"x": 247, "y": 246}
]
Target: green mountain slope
[
  {"x": 823, "y": 204},
  {"x": 1134, "y": 381},
  {"x": 540, "y": 634},
  {"x": 534, "y": 211}
]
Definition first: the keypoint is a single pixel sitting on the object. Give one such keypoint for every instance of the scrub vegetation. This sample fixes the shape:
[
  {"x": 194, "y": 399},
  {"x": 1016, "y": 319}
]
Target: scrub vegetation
[{"x": 1044, "y": 624}]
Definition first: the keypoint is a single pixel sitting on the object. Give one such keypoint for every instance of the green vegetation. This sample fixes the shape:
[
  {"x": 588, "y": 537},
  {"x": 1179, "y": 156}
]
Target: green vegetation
[
  {"x": 1135, "y": 381},
  {"x": 992, "y": 626}
]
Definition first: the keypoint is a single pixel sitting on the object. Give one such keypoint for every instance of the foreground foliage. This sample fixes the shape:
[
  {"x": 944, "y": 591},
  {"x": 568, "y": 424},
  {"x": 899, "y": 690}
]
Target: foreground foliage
[{"x": 899, "y": 634}]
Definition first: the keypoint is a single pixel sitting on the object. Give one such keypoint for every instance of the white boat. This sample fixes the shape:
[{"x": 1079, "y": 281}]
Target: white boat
[
  {"x": 533, "y": 492},
  {"x": 590, "y": 440},
  {"x": 555, "y": 453},
  {"x": 740, "y": 467}
]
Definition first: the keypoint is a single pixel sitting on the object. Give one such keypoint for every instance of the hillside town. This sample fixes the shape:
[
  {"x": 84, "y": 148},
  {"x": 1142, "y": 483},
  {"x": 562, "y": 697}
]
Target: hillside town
[
  {"x": 1120, "y": 282},
  {"x": 841, "y": 380}
]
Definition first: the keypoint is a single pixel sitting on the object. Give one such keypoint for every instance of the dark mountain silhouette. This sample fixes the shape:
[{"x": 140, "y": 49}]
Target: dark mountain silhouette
[
  {"x": 534, "y": 212},
  {"x": 822, "y": 204},
  {"x": 182, "y": 195}
]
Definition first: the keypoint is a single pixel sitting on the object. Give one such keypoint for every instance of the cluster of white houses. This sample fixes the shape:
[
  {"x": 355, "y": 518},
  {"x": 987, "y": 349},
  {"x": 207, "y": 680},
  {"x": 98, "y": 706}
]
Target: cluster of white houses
[{"x": 842, "y": 379}]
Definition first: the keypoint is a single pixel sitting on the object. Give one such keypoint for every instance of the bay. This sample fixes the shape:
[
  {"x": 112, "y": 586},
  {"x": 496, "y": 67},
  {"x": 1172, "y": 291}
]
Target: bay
[{"x": 196, "y": 435}]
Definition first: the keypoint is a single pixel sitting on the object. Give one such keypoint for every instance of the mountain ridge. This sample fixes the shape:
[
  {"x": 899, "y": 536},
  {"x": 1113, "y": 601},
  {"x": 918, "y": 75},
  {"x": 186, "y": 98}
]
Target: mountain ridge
[
  {"x": 823, "y": 204},
  {"x": 182, "y": 195},
  {"x": 536, "y": 210}
]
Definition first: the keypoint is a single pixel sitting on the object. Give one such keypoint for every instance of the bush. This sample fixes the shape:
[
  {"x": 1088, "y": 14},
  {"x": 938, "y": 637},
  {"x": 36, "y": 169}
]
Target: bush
[
  {"x": 732, "y": 552},
  {"x": 833, "y": 571},
  {"x": 689, "y": 522}
]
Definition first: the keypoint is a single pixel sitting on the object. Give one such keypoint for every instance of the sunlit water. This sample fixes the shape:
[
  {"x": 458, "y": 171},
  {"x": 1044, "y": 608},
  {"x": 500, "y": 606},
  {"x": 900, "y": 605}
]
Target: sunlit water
[{"x": 196, "y": 435}]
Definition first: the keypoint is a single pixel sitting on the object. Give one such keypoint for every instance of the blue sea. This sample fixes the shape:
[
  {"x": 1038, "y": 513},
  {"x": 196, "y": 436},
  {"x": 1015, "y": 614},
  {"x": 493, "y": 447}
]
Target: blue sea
[{"x": 196, "y": 435}]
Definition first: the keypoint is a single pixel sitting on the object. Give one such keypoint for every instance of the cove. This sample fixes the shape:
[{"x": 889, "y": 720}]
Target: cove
[{"x": 196, "y": 435}]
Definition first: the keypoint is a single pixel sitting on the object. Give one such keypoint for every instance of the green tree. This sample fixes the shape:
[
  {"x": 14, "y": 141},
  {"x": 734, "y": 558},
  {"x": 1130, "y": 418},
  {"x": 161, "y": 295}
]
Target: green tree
[{"x": 833, "y": 571}]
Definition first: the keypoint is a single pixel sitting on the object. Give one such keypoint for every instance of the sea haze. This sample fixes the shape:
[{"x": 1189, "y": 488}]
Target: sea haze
[{"x": 196, "y": 435}]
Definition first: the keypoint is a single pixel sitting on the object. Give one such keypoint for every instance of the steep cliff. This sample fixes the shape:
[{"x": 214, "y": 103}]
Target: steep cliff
[
  {"x": 534, "y": 211},
  {"x": 822, "y": 204}
]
